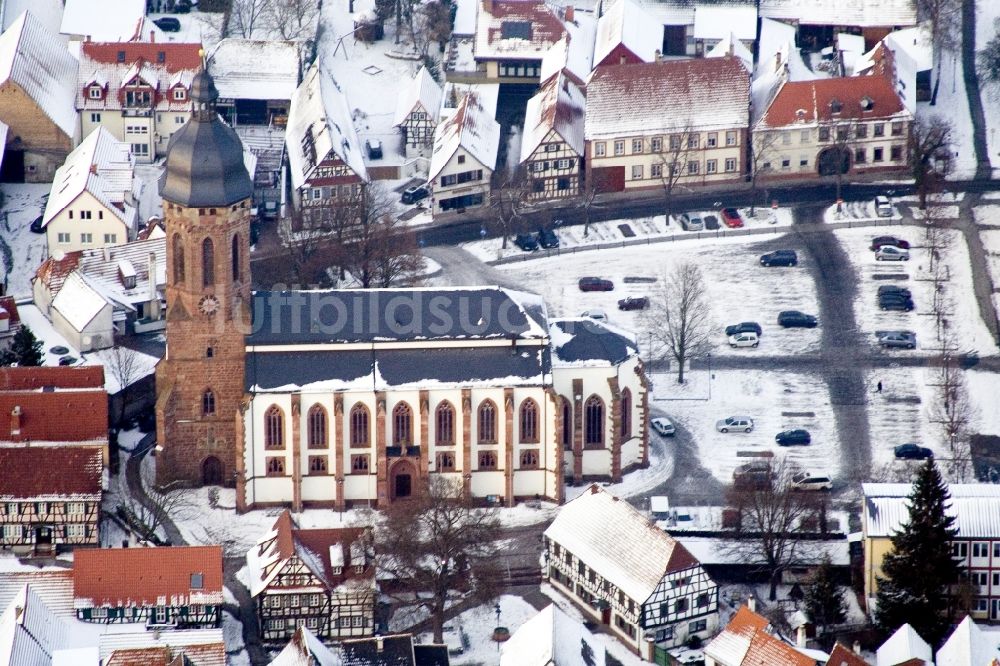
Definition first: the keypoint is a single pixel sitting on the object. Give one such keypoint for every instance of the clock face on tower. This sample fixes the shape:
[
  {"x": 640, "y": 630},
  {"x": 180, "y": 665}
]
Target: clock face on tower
[{"x": 208, "y": 305}]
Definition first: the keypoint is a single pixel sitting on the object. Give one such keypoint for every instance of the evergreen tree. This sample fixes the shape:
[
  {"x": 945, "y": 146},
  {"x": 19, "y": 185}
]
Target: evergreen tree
[
  {"x": 824, "y": 599},
  {"x": 24, "y": 350},
  {"x": 920, "y": 568}
]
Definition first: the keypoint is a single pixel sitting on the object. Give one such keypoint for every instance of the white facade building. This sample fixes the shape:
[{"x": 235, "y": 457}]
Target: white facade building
[{"x": 464, "y": 157}]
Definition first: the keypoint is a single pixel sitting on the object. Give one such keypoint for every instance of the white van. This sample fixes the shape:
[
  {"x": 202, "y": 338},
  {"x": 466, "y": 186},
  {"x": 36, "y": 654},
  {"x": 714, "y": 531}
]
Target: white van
[{"x": 882, "y": 207}]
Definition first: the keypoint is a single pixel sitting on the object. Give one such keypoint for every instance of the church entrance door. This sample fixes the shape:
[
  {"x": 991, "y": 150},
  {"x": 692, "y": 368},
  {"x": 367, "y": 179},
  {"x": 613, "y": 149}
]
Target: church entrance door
[
  {"x": 211, "y": 472},
  {"x": 401, "y": 481}
]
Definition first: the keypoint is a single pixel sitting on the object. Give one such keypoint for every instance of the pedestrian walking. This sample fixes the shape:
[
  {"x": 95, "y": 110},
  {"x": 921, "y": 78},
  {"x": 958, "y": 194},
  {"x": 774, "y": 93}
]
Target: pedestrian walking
[{"x": 878, "y": 387}]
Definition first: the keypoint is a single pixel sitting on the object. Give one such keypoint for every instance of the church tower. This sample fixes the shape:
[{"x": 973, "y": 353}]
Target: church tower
[{"x": 206, "y": 203}]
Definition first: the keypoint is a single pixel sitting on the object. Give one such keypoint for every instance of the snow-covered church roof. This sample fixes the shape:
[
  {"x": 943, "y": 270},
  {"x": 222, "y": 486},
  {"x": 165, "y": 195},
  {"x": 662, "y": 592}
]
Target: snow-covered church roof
[{"x": 584, "y": 341}]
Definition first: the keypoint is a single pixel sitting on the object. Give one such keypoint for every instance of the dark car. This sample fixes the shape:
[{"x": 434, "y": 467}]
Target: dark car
[
  {"x": 526, "y": 242},
  {"x": 731, "y": 218},
  {"x": 893, "y": 289},
  {"x": 36, "y": 225},
  {"x": 547, "y": 239},
  {"x": 168, "y": 24},
  {"x": 912, "y": 452},
  {"x": 711, "y": 222},
  {"x": 780, "y": 258},
  {"x": 879, "y": 241},
  {"x": 596, "y": 284},
  {"x": 183, "y": 6},
  {"x": 744, "y": 327},
  {"x": 412, "y": 195},
  {"x": 756, "y": 475},
  {"x": 797, "y": 437},
  {"x": 897, "y": 302},
  {"x": 633, "y": 303},
  {"x": 796, "y": 319}
]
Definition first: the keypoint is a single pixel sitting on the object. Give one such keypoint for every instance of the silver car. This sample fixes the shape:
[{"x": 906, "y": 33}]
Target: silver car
[
  {"x": 804, "y": 481},
  {"x": 692, "y": 222},
  {"x": 735, "y": 423},
  {"x": 664, "y": 426},
  {"x": 897, "y": 339}
]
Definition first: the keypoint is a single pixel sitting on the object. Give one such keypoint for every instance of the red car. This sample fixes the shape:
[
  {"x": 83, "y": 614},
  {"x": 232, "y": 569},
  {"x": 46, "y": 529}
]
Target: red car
[
  {"x": 731, "y": 218},
  {"x": 596, "y": 284}
]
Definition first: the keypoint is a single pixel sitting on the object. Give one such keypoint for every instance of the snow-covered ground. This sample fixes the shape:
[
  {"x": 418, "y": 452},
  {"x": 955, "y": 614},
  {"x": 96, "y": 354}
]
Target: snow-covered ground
[
  {"x": 953, "y": 104},
  {"x": 21, "y": 251},
  {"x": 987, "y": 27}
]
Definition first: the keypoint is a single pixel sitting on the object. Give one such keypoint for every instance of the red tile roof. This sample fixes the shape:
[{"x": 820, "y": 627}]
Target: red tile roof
[
  {"x": 30, "y": 379},
  {"x": 763, "y": 649},
  {"x": 53, "y": 272},
  {"x": 318, "y": 542},
  {"x": 844, "y": 656},
  {"x": 8, "y": 305},
  {"x": 207, "y": 654},
  {"x": 147, "y": 576},
  {"x": 50, "y": 471},
  {"x": 813, "y": 99},
  {"x": 154, "y": 656},
  {"x": 177, "y": 57},
  {"x": 61, "y": 415}
]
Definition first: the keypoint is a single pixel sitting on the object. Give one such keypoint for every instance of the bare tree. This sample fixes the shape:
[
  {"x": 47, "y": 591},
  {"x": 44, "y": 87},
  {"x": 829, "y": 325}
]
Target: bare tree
[
  {"x": 672, "y": 162},
  {"x": 247, "y": 16},
  {"x": 930, "y": 148},
  {"x": 146, "y": 515},
  {"x": 438, "y": 547},
  {"x": 125, "y": 366},
  {"x": 508, "y": 199},
  {"x": 678, "y": 320},
  {"x": 293, "y": 19},
  {"x": 378, "y": 250},
  {"x": 954, "y": 413},
  {"x": 945, "y": 19},
  {"x": 310, "y": 250},
  {"x": 835, "y": 160},
  {"x": 759, "y": 162},
  {"x": 770, "y": 527},
  {"x": 588, "y": 195}
]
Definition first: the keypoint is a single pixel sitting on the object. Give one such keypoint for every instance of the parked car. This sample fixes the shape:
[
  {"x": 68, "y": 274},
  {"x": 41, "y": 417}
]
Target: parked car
[
  {"x": 731, "y": 218},
  {"x": 168, "y": 24},
  {"x": 780, "y": 258},
  {"x": 796, "y": 319},
  {"x": 912, "y": 451},
  {"x": 36, "y": 225},
  {"x": 891, "y": 253},
  {"x": 744, "y": 327},
  {"x": 793, "y": 437},
  {"x": 596, "y": 314},
  {"x": 415, "y": 193},
  {"x": 595, "y": 284},
  {"x": 897, "y": 339},
  {"x": 804, "y": 481},
  {"x": 547, "y": 238},
  {"x": 711, "y": 222},
  {"x": 691, "y": 222},
  {"x": 734, "y": 423},
  {"x": 747, "y": 339},
  {"x": 374, "y": 147},
  {"x": 893, "y": 289},
  {"x": 183, "y": 6},
  {"x": 756, "y": 475},
  {"x": 881, "y": 241},
  {"x": 633, "y": 303},
  {"x": 526, "y": 242},
  {"x": 663, "y": 426},
  {"x": 883, "y": 208},
  {"x": 894, "y": 296},
  {"x": 895, "y": 304}
]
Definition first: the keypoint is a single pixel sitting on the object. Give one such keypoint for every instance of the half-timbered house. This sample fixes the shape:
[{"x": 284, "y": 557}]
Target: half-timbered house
[
  {"x": 178, "y": 587},
  {"x": 552, "y": 147},
  {"x": 626, "y": 573},
  {"x": 417, "y": 112},
  {"x": 321, "y": 579},
  {"x": 324, "y": 152},
  {"x": 464, "y": 157}
]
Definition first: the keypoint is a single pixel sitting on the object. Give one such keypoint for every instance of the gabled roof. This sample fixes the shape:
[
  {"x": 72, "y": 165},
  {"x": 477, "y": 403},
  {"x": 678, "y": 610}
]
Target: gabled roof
[
  {"x": 101, "y": 166},
  {"x": 968, "y": 645},
  {"x": 975, "y": 507},
  {"x": 471, "y": 127},
  {"x": 628, "y": 24},
  {"x": 844, "y": 656},
  {"x": 904, "y": 644},
  {"x": 255, "y": 69},
  {"x": 583, "y": 341},
  {"x": 104, "y": 20},
  {"x": 62, "y": 472},
  {"x": 854, "y": 13},
  {"x": 618, "y": 542},
  {"x": 320, "y": 123},
  {"x": 816, "y": 101},
  {"x": 78, "y": 302},
  {"x": 29, "y": 632},
  {"x": 200, "y": 647},
  {"x": 8, "y": 311},
  {"x": 394, "y": 650},
  {"x": 516, "y": 29},
  {"x": 306, "y": 650},
  {"x": 558, "y": 107},
  {"x": 730, "y": 45},
  {"x": 550, "y": 637},
  {"x": 746, "y": 642},
  {"x": 53, "y": 585},
  {"x": 422, "y": 89},
  {"x": 147, "y": 576},
  {"x": 38, "y": 62},
  {"x": 55, "y": 406},
  {"x": 111, "y": 64},
  {"x": 705, "y": 94}
]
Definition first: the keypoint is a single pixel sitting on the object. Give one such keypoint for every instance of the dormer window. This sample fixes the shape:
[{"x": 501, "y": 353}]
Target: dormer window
[
  {"x": 180, "y": 94},
  {"x": 337, "y": 570},
  {"x": 95, "y": 92},
  {"x": 138, "y": 97},
  {"x": 836, "y": 106},
  {"x": 197, "y": 581},
  {"x": 121, "y": 56},
  {"x": 800, "y": 115},
  {"x": 867, "y": 103},
  {"x": 161, "y": 56}
]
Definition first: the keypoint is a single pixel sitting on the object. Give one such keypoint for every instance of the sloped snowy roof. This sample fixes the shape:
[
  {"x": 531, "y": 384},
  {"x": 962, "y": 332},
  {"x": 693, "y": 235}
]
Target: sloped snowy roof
[
  {"x": 37, "y": 60},
  {"x": 104, "y": 20},
  {"x": 204, "y": 647},
  {"x": 49, "y": 12},
  {"x": 618, "y": 542},
  {"x": 78, "y": 302},
  {"x": 580, "y": 40},
  {"x": 905, "y": 643},
  {"x": 627, "y": 23},
  {"x": 968, "y": 644},
  {"x": 916, "y": 43},
  {"x": 29, "y": 632},
  {"x": 746, "y": 642},
  {"x": 304, "y": 649},
  {"x": 718, "y": 21},
  {"x": 102, "y": 166},
  {"x": 487, "y": 93},
  {"x": 814, "y": 101},
  {"x": 582, "y": 341},
  {"x": 255, "y": 69},
  {"x": 855, "y": 13},
  {"x": 550, "y": 637},
  {"x": 422, "y": 89},
  {"x": 320, "y": 123},
  {"x": 471, "y": 127},
  {"x": 54, "y": 586},
  {"x": 731, "y": 45},
  {"x": 558, "y": 107},
  {"x": 975, "y": 507},
  {"x": 706, "y": 94},
  {"x": 516, "y": 29}
]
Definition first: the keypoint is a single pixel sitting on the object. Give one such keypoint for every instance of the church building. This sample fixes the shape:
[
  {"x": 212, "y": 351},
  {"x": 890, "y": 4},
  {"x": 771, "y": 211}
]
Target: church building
[{"x": 339, "y": 398}]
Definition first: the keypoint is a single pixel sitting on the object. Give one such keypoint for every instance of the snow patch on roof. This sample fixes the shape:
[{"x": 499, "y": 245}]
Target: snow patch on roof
[
  {"x": 104, "y": 20},
  {"x": 550, "y": 637},
  {"x": 78, "y": 302},
  {"x": 854, "y": 13},
  {"x": 255, "y": 69},
  {"x": 717, "y": 22},
  {"x": 904, "y": 644},
  {"x": 471, "y": 128},
  {"x": 422, "y": 89},
  {"x": 627, "y": 23},
  {"x": 557, "y": 107}
]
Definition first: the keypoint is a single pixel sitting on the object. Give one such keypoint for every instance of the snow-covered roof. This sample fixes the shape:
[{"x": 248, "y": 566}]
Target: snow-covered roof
[
  {"x": 37, "y": 61},
  {"x": 488, "y": 95},
  {"x": 53, "y": 585},
  {"x": 747, "y": 641},
  {"x": 306, "y": 650},
  {"x": 421, "y": 90},
  {"x": 516, "y": 29},
  {"x": 717, "y": 551},
  {"x": 472, "y": 128},
  {"x": 916, "y": 43},
  {"x": 204, "y": 647},
  {"x": 104, "y": 20},
  {"x": 110, "y": 65},
  {"x": 557, "y": 107},
  {"x": 968, "y": 644},
  {"x": 465, "y": 17},
  {"x": 816, "y": 101},
  {"x": 703, "y": 94},
  {"x": 903, "y": 645},
  {"x": 320, "y": 123},
  {"x": 975, "y": 507},
  {"x": 255, "y": 69},
  {"x": 731, "y": 45},
  {"x": 718, "y": 21},
  {"x": 579, "y": 43},
  {"x": 855, "y": 13},
  {"x": 29, "y": 632},
  {"x": 618, "y": 542},
  {"x": 628, "y": 24},
  {"x": 550, "y": 637},
  {"x": 582, "y": 341},
  {"x": 78, "y": 302},
  {"x": 101, "y": 166},
  {"x": 49, "y": 12}
]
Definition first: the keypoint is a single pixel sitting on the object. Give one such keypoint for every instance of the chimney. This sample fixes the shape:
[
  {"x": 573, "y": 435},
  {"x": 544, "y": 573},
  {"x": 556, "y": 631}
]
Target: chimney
[
  {"x": 379, "y": 644},
  {"x": 777, "y": 60},
  {"x": 152, "y": 276},
  {"x": 570, "y": 14},
  {"x": 800, "y": 636},
  {"x": 106, "y": 253},
  {"x": 657, "y": 56},
  {"x": 15, "y": 421},
  {"x": 856, "y": 647},
  {"x": 93, "y": 169},
  {"x": 752, "y": 603},
  {"x": 152, "y": 36}
]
